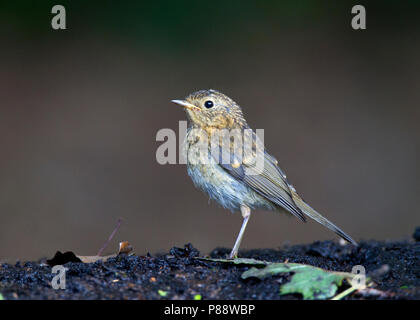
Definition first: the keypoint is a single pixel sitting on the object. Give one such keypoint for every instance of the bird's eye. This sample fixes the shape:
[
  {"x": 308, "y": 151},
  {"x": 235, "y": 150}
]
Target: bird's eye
[{"x": 208, "y": 104}]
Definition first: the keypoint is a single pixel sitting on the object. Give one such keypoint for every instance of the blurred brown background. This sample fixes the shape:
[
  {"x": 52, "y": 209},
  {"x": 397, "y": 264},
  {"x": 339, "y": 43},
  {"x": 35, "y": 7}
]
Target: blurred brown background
[{"x": 80, "y": 109}]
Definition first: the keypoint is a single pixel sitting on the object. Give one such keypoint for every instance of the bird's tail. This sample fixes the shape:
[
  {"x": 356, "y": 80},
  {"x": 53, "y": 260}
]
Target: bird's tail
[{"x": 311, "y": 213}]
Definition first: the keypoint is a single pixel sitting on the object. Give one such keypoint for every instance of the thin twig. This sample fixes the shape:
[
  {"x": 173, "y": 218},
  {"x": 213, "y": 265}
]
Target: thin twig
[
  {"x": 344, "y": 293},
  {"x": 110, "y": 237}
]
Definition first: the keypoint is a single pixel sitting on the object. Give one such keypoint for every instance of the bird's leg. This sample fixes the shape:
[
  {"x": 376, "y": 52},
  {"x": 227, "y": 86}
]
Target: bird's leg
[{"x": 246, "y": 213}]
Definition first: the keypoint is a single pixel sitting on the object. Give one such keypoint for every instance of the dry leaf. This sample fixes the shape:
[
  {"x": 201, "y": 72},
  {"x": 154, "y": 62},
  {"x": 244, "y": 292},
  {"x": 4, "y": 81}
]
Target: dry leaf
[
  {"x": 125, "y": 247},
  {"x": 91, "y": 259},
  {"x": 63, "y": 258}
]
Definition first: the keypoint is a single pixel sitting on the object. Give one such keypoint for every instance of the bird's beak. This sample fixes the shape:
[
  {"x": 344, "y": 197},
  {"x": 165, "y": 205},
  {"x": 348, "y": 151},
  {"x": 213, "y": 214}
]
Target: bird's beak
[{"x": 186, "y": 105}]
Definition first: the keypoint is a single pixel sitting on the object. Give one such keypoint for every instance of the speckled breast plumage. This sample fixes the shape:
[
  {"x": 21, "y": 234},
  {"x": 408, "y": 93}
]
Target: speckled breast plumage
[{"x": 211, "y": 178}]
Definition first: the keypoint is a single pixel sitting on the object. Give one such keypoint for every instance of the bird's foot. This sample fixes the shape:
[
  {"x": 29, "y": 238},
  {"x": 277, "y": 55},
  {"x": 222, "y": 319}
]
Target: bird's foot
[{"x": 233, "y": 255}]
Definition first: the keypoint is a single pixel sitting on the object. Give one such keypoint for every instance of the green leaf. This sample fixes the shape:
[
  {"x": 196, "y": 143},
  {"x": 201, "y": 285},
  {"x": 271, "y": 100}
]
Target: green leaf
[
  {"x": 316, "y": 284},
  {"x": 311, "y": 282},
  {"x": 162, "y": 293}
]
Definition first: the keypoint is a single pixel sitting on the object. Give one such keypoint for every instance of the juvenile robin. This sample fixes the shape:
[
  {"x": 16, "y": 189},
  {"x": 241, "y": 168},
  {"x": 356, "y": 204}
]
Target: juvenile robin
[{"x": 238, "y": 184}]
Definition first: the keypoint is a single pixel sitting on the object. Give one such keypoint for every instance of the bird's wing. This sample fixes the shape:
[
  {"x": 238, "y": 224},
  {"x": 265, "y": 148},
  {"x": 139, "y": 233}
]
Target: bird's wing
[
  {"x": 260, "y": 174},
  {"x": 270, "y": 181}
]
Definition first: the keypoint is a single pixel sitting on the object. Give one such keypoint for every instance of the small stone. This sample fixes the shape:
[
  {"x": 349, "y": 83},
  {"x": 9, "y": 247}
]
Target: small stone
[{"x": 187, "y": 252}]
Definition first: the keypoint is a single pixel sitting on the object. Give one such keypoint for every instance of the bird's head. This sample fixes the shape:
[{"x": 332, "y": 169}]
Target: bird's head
[{"x": 210, "y": 109}]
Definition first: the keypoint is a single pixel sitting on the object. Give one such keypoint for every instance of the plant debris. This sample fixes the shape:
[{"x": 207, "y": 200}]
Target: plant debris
[
  {"x": 311, "y": 282},
  {"x": 393, "y": 267},
  {"x": 63, "y": 258},
  {"x": 66, "y": 257}
]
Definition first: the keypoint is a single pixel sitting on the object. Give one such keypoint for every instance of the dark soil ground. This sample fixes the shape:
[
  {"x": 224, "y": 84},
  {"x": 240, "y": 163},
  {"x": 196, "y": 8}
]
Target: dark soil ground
[{"x": 393, "y": 266}]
